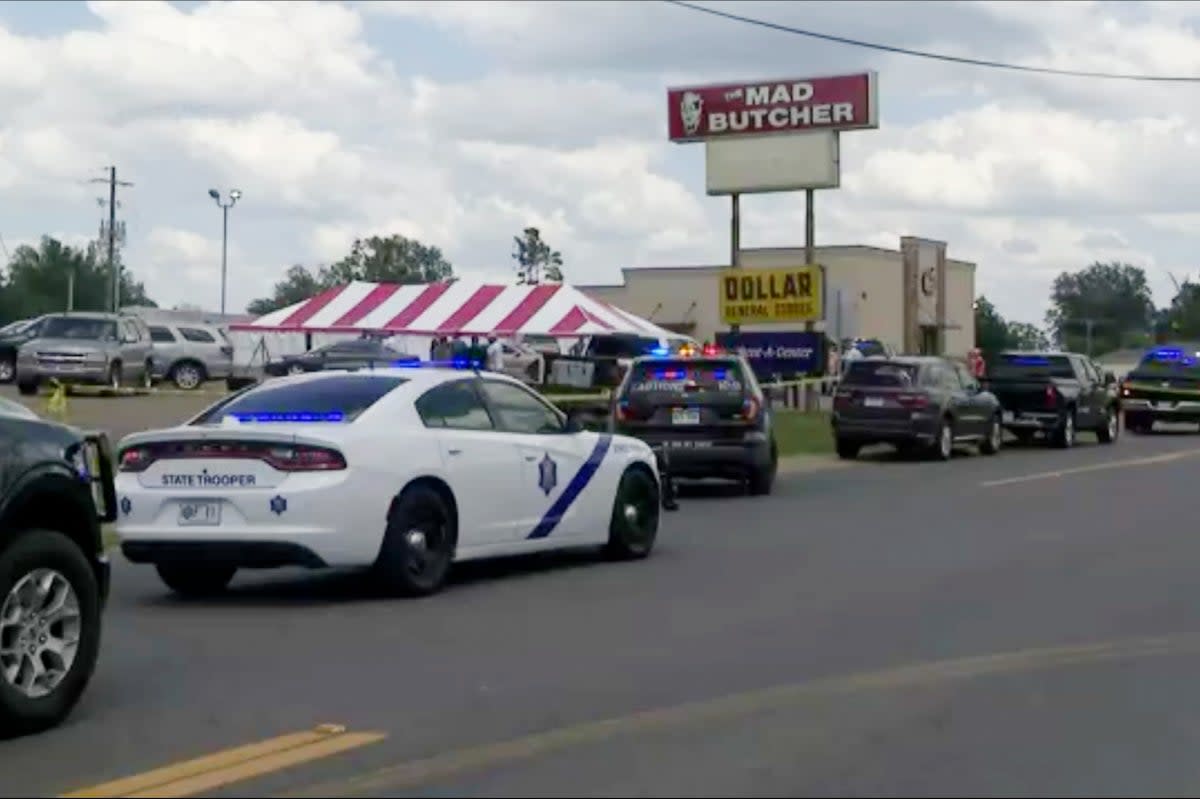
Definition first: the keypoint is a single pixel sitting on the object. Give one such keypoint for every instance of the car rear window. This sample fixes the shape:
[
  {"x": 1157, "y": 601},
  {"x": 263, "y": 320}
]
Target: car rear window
[
  {"x": 667, "y": 379},
  {"x": 887, "y": 374},
  {"x": 333, "y": 398},
  {"x": 1015, "y": 366},
  {"x": 1176, "y": 365}
]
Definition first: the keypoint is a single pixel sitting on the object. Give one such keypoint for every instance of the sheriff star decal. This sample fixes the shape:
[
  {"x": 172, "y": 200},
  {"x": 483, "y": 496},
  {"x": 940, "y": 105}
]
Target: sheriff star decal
[
  {"x": 278, "y": 505},
  {"x": 547, "y": 474}
]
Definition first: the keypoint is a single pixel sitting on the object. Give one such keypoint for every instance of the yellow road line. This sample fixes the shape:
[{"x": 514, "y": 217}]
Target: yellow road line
[
  {"x": 1095, "y": 467},
  {"x": 415, "y": 773},
  {"x": 205, "y": 774}
]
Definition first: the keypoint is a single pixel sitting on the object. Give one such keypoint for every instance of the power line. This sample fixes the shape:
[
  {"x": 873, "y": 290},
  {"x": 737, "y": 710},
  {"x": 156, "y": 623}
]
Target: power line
[{"x": 975, "y": 62}]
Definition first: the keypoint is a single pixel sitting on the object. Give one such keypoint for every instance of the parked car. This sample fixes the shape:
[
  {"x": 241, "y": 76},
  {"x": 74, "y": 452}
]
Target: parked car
[
  {"x": 56, "y": 489},
  {"x": 1164, "y": 387},
  {"x": 188, "y": 354},
  {"x": 100, "y": 348},
  {"x": 1058, "y": 394},
  {"x": 916, "y": 403},
  {"x": 11, "y": 338},
  {"x": 353, "y": 354}
]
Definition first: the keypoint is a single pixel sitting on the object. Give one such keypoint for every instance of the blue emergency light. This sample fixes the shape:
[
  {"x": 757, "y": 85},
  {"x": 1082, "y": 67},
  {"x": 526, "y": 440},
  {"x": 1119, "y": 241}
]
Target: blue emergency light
[
  {"x": 294, "y": 417},
  {"x": 1027, "y": 360},
  {"x": 456, "y": 363}
]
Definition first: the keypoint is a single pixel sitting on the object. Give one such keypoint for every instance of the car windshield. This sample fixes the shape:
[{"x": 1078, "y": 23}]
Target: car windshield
[
  {"x": 1019, "y": 366},
  {"x": 332, "y": 398},
  {"x": 79, "y": 328},
  {"x": 1174, "y": 364},
  {"x": 664, "y": 381},
  {"x": 884, "y": 374}
]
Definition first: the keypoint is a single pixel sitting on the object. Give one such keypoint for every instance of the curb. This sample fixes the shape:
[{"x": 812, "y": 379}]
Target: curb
[{"x": 809, "y": 464}]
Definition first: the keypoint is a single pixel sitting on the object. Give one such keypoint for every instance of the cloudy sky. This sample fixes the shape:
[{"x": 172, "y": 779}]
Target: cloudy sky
[{"x": 459, "y": 123}]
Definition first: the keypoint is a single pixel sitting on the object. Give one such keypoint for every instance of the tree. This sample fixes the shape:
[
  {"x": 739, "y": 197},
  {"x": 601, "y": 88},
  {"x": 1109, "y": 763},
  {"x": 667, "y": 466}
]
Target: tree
[
  {"x": 1181, "y": 319},
  {"x": 1024, "y": 336},
  {"x": 298, "y": 284},
  {"x": 1103, "y": 307},
  {"x": 991, "y": 331},
  {"x": 53, "y": 277},
  {"x": 394, "y": 259},
  {"x": 536, "y": 261}
]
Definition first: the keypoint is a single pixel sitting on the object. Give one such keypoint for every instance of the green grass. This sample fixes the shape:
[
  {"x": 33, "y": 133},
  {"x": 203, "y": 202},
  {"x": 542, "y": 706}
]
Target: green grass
[{"x": 799, "y": 433}]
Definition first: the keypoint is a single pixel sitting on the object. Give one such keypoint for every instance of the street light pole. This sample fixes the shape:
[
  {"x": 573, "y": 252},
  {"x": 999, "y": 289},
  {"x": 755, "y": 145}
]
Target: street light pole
[{"x": 234, "y": 196}]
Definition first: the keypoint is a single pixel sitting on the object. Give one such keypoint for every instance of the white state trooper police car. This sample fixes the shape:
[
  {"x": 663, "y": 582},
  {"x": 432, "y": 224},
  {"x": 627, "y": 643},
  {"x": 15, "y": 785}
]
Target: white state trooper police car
[{"x": 403, "y": 469}]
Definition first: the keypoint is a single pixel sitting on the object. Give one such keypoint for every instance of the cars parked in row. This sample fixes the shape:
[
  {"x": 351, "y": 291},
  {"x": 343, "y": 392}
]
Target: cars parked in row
[
  {"x": 1055, "y": 394},
  {"x": 1164, "y": 387}
]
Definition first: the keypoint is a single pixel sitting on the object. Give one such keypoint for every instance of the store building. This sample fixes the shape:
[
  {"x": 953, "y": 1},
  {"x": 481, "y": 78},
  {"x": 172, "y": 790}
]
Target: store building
[{"x": 914, "y": 299}]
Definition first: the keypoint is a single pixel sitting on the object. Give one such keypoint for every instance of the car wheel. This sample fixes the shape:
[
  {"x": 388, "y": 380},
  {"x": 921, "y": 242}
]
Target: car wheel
[
  {"x": 418, "y": 546},
  {"x": 943, "y": 443},
  {"x": 49, "y": 630},
  {"x": 114, "y": 375},
  {"x": 995, "y": 438},
  {"x": 1064, "y": 436},
  {"x": 187, "y": 376},
  {"x": 8, "y": 370},
  {"x": 633, "y": 527},
  {"x": 847, "y": 449},
  {"x": 196, "y": 580},
  {"x": 1108, "y": 432},
  {"x": 295, "y": 369},
  {"x": 27, "y": 387},
  {"x": 762, "y": 480}
]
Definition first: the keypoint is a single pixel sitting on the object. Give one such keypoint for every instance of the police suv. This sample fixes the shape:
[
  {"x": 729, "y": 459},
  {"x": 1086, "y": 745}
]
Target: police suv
[{"x": 706, "y": 410}]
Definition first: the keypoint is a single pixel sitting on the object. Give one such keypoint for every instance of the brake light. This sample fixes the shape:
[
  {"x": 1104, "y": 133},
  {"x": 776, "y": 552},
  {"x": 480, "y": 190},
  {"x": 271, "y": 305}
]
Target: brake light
[
  {"x": 709, "y": 349},
  {"x": 841, "y": 398},
  {"x": 1051, "y": 397},
  {"x": 913, "y": 400},
  {"x": 283, "y": 457},
  {"x": 750, "y": 409},
  {"x": 1124, "y": 388},
  {"x": 627, "y": 413}
]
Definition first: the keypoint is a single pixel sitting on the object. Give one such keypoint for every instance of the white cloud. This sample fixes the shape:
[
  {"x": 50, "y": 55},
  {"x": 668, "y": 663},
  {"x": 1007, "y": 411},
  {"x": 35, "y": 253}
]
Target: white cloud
[{"x": 559, "y": 124}]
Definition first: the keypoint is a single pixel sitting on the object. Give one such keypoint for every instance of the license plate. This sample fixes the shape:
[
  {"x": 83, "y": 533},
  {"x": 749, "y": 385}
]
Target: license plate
[
  {"x": 199, "y": 514},
  {"x": 873, "y": 402},
  {"x": 1008, "y": 416},
  {"x": 685, "y": 416},
  {"x": 689, "y": 444}
]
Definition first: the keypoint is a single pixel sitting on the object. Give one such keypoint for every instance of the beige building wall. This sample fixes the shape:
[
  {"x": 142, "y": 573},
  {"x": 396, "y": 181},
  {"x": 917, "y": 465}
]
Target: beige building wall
[{"x": 864, "y": 295}]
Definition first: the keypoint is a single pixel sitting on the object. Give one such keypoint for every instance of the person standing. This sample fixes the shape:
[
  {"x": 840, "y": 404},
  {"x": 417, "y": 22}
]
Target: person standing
[{"x": 495, "y": 355}]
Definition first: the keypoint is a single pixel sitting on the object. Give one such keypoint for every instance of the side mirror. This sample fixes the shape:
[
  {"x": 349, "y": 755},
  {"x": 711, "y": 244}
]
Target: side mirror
[{"x": 1110, "y": 379}]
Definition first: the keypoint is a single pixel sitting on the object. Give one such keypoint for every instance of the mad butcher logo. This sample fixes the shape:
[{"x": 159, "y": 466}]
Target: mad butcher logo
[
  {"x": 779, "y": 106},
  {"x": 206, "y": 480},
  {"x": 691, "y": 111}
]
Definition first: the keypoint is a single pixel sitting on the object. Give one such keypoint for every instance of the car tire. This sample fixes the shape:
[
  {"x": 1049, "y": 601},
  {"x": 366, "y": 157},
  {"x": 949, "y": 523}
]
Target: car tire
[
  {"x": 762, "y": 480},
  {"x": 8, "y": 370},
  {"x": 418, "y": 546},
  {"x": 49, "y": 553},
  {"x": 633, "y": 527},
  {"x": 942, "y": 448},
  {"x": 847, "y": 449},
  {"x": 294, "y": 369},
  {"x": 196, "y": 580},
  {"x": 187, "y": 376},
  {"x": 27, "y": 388},
  {"x": 1064, "y": 435},
  {"x": 994, "y": 439},
  {"x": 1108, "y": 432}
]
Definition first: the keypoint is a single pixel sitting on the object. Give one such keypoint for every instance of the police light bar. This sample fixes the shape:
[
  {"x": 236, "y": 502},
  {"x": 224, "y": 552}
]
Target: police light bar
[
  {"x": 456, "y": 363},
  {"x": 297, "y": 417}
]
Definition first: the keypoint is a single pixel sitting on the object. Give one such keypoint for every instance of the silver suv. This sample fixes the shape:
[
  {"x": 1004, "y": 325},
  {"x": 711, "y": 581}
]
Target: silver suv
[
  {"x": 111, "y": 349},
  {"x": 187, "y": 354}
]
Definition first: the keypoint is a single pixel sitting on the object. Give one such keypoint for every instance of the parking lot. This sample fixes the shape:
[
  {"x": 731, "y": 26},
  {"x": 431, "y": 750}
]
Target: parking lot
[{"x": 1019, "y": 624}]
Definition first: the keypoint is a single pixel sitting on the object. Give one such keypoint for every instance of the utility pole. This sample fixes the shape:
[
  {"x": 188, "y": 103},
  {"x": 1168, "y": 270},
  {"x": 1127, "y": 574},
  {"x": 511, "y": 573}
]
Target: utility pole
[
  {"x": 234, "y": 196},
  {"x": 114, "y": 279}
]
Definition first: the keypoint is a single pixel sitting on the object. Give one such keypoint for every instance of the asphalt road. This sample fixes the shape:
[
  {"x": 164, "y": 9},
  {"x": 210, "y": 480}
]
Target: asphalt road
[{"x": 1023, "y": 624}]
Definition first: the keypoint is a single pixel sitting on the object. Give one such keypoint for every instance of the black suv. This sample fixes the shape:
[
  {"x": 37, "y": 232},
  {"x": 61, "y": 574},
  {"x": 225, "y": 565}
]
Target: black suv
[
  {"x": 707, "y": 412},
  {"x": 917, "y": 403},
  {"x": 56, "y": 488}
]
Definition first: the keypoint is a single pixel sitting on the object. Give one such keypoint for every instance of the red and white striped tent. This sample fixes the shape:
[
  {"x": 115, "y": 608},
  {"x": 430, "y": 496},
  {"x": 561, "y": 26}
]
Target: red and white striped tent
[{"x": 458, "y": 308}]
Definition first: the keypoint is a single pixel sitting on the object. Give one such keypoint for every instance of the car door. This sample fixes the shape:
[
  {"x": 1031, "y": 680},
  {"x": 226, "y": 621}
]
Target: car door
[
  {"x": 135, "y": 349},
  {"x": 960, "y": 402},
  {"x": 483, "y": 467},
  {"x": 1089, "y": 408},
  {"x": 164, "y": 347},
  {"x": 981, "y": 403},
  {"x": 548, "y": 506}
]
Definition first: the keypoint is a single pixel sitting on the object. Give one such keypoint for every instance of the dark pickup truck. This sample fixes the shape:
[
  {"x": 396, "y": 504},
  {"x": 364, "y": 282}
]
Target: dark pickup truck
[
  {"x": 1054, "y": 393},
  {"x": 1165, "y": 387},
  {"x": 56, "y": 489}
]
